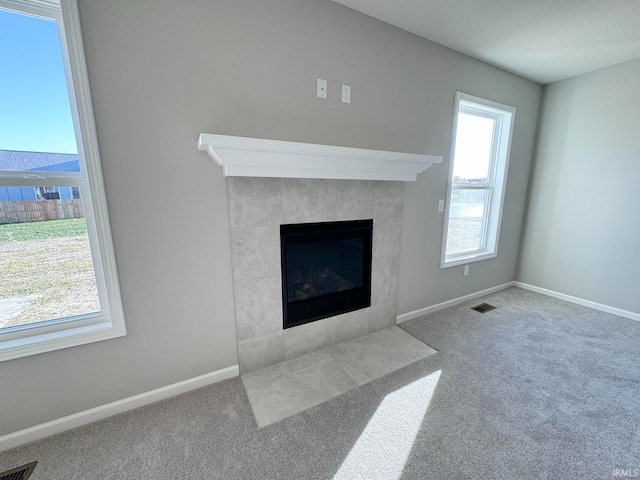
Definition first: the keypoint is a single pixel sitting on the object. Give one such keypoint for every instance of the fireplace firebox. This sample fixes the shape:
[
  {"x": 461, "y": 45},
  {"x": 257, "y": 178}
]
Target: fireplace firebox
[{"x": 326, "y": 269}]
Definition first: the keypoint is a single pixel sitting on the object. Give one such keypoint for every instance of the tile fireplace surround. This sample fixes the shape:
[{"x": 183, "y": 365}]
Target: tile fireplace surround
[{"x": 257, "y": 208}]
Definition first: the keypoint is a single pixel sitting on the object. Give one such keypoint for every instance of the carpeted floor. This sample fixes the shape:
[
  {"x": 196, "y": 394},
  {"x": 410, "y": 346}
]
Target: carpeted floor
[{"x": 537, "y": 388}]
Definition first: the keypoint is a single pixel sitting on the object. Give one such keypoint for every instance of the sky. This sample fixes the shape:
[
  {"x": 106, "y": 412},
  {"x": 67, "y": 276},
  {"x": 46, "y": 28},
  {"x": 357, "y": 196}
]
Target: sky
[
  {"x": 34, "y": 103},
  {"x": 473, "y": 146}
]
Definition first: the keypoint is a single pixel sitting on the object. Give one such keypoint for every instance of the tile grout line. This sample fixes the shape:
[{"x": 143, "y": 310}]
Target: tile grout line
[
  {"x": 353, "y": 379},
  {"x": 346, "y": 354},
  {"x": 303, "y": 390},
  {"x": 334, "y": 359}
]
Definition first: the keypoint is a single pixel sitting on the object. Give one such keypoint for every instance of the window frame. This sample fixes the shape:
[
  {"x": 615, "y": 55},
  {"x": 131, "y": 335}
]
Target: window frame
[
  {"x": 30, "y": 339},
  {"x": 504, "y": 117}
]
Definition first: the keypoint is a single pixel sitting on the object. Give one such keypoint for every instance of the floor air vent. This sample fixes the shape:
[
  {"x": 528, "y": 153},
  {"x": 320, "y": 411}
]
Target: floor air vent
[
  {"x": 20, "y": 473},
  {"x": 482, "y": 308}
]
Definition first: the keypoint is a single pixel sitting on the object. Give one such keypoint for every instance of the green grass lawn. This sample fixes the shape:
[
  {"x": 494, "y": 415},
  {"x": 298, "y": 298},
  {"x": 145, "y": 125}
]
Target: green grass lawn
[
  {"x": 46, "y": 266},
  {"x": 16, "y": 232}
]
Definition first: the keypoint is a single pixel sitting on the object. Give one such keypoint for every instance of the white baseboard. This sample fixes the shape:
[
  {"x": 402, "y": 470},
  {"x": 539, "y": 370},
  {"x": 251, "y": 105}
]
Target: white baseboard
[
  {"x": 450, "y": 303},
  {"x": 580, "y": 301},
  {"x": 43, "y": 430}
]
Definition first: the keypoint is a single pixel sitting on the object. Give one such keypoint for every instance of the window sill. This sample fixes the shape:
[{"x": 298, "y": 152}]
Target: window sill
[
  {"x": 39, "y": 340},
  {"x": 466, "y": 259}
]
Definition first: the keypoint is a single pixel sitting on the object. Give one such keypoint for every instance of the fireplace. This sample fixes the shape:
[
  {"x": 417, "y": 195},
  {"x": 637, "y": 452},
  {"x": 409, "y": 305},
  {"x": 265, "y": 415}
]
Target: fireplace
[
  {"x": 326, "y": 269},
  {"x": 258, "y": 207}
]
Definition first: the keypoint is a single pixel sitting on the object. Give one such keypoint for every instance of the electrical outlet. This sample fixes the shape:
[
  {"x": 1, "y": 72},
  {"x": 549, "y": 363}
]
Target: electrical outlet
[
  {"x": 346, "y": 93},
  {"x": 466, "y": 270},
  {"x": 322, "y": 88}
]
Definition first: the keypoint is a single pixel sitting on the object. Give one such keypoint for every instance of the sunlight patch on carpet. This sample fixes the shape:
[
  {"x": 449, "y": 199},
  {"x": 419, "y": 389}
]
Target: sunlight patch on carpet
[{"x": 384, "y": 446}]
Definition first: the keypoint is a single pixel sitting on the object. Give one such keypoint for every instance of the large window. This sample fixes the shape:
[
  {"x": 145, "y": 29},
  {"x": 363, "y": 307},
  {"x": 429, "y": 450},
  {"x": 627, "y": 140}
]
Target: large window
[
  {"x": 477, "y": 177},
  {"x": 58, "y": 282}
]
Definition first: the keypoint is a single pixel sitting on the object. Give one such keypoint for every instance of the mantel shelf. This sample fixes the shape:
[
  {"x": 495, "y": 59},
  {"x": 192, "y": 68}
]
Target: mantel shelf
[{"x": 254, "y": 157}]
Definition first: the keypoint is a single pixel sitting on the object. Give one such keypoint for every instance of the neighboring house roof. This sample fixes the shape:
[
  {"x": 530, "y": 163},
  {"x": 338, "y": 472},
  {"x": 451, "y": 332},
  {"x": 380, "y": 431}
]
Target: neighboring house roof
[{"x": 12, "y": 160}]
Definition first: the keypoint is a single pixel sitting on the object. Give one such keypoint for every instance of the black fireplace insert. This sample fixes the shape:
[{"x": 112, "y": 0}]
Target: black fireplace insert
[{"x": 326, "y": 269}]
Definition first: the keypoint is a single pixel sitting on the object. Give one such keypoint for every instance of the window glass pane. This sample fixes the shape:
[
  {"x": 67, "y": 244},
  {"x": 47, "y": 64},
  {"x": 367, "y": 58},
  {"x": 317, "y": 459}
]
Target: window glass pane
[
  {"x": 47, "y": 248},
  {"x": 474, "y": 138},
  {"x": 45, "y": 260},
  {"x": 466, "y": 220},
  {"x": 35, "y": 114}
]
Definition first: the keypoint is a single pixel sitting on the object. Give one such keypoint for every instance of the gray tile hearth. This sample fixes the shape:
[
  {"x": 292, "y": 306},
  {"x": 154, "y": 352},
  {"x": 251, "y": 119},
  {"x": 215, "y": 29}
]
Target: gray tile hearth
[
  {"x": 324, "y": 381},
  {"x": 289, "y": 387},
  {"x": 276, "y": 399}
]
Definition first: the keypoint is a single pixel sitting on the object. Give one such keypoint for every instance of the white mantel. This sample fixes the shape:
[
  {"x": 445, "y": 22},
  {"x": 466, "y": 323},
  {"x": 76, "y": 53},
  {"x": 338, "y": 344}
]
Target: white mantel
[{"x": 254, "y": 157}]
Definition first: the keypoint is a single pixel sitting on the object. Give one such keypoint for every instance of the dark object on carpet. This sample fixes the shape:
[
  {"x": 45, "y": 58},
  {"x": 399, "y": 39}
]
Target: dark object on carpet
[
  {"x": 19, "y": 473},
  {"x": 483, "y": 308}
]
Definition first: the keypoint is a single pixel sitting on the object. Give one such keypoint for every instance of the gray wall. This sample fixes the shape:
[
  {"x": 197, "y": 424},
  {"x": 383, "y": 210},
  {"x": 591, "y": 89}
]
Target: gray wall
[
  {"x": 422, "y": 282},
  {"x": 583, "y": 227},
  {"x": 162, "y": 72}
]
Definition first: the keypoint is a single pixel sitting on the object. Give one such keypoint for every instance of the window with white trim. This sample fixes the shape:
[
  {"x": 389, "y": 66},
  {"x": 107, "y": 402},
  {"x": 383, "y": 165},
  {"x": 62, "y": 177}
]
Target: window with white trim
[
  {"x": 477, "y": 179},
  {"x": 58, "y": 279}
]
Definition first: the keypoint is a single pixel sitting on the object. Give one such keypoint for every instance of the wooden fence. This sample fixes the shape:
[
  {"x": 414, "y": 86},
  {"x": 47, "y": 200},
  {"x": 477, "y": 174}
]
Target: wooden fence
[{"x": 40, "y": 210}]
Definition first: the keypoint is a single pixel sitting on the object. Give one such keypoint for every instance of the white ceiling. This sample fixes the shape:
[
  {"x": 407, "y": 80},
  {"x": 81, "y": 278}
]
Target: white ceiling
[{"x": 542, "y": 40}]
